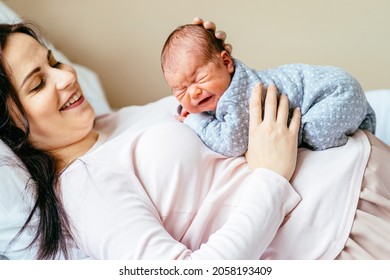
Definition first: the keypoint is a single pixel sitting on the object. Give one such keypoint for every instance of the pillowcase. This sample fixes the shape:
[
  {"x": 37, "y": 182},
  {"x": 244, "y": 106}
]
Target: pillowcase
[{"x": 15, "y": 206}]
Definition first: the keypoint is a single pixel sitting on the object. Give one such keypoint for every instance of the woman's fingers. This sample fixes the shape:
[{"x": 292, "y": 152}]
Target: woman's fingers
[
  {"x": 255, "y": 107},
  {"x": 218, "y": 34},
  {"x": 278, "y": 109},
  {"x": 271, "y": 103},
  {"x": 206, "y": 23},
  {"x": 295, "y": 121},
  {"x": 272, "y": 143},
  {"x": 197, "y": 20},
  {"x": 209, "y": 25},
  {"x": 282, "y": 115}
]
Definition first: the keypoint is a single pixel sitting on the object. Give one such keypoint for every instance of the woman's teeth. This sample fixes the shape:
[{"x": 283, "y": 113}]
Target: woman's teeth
[{"x": 71, "y": 101}]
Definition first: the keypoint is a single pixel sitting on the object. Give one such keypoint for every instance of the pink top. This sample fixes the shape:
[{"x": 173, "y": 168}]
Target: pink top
[
  {"x": 154, "y": 191},
  {"x": 150, "y": 189},
  {"x": 329, "y": 183}
]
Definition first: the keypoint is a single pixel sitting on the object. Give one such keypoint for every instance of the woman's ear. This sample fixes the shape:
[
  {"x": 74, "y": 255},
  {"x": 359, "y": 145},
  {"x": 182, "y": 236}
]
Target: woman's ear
[{"x": 227, "y": 61}]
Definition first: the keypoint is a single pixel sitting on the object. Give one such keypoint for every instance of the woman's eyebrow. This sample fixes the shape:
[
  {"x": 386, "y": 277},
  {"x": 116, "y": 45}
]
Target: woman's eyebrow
[{"x": 35, "y": 70}]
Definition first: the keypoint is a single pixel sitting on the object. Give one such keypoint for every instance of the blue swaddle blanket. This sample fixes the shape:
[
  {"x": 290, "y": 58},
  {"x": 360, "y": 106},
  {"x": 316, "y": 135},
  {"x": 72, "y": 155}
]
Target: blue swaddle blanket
[{"x": 332, "y": 103}]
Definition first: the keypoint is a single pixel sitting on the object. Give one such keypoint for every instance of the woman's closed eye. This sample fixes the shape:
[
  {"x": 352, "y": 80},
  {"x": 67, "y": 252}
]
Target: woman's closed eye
[
  {"x": 42, "y": 81},
  {"x": 40, "y": 85}
]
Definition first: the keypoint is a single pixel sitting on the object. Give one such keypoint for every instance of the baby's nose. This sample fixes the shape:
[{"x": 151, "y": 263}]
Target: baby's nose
[{"x": 195, "y": 92}]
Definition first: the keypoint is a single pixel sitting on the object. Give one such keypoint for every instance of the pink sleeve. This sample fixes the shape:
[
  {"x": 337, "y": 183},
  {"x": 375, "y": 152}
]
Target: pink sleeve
[{"x": 248, "y": 231}]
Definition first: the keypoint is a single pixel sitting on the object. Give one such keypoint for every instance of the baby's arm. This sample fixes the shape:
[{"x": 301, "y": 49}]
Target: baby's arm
[{"x": 227, "y": 133}]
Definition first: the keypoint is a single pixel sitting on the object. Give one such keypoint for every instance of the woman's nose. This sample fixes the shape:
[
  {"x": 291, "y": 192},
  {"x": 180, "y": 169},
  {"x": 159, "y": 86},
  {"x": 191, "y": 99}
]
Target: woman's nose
[
  {"x": 63, "y": 78},
  {"x": 195, "y": 92}
]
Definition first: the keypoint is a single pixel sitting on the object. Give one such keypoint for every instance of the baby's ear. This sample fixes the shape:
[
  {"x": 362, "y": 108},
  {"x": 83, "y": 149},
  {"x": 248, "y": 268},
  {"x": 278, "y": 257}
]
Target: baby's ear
[{"x": 227, "y": 61}]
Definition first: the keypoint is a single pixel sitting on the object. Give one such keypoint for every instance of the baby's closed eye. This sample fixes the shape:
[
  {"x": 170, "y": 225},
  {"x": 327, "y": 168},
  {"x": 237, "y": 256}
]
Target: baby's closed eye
[{"x": 178, "y": 93}]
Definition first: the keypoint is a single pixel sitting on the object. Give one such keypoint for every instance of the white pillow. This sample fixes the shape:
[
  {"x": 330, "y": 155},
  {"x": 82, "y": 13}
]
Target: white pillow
[
  {"x": 15, "y": 200},
  {"x": 15, "y": 206},
  {"x": 380, "y": 101}
]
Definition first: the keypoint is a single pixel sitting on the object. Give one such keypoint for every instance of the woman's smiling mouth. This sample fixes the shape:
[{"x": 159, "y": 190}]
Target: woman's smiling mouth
[{"x": 75, "y": 100}]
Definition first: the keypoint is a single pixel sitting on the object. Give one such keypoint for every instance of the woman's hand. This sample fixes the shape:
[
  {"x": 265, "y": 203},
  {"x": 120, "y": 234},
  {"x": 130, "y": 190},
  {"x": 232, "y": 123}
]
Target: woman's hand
[
  {"x": 272, "y": 143},
  {"x": 219, "y": 34}
]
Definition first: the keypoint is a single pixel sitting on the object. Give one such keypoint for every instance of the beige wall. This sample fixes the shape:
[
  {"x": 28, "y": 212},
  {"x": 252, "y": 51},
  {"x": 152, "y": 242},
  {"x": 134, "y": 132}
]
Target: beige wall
[{"x": 121, "y": 39}]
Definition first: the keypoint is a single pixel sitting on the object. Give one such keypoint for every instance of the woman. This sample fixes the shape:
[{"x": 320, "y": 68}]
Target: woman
[{"x": 88, "y": 174}]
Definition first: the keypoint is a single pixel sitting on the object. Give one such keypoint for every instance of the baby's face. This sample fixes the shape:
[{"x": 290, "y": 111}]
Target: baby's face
[{"x": 198, "y": 83}]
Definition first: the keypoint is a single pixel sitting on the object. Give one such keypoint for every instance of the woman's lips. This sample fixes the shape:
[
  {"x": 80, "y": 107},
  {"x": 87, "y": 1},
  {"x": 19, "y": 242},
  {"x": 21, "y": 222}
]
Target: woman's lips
[{"x": 75, "y": 100}]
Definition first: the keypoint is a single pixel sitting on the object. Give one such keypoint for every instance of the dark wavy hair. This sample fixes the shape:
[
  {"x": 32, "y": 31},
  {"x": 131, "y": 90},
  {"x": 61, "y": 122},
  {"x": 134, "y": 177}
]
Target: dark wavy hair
[{"x": 52, "y": 229}]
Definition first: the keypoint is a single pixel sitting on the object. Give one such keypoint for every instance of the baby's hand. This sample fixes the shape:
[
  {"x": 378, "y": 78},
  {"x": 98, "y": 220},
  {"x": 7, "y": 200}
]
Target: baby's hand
[{"x": 182, "y": 113}]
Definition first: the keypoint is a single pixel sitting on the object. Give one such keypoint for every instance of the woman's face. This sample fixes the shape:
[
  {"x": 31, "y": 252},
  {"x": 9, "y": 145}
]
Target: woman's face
[{"x": 58, "y": 114}]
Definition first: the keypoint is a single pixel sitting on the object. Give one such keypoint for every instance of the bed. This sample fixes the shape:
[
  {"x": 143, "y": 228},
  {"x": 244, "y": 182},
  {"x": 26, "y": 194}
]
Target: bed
[{"x": 13, "y": 180}]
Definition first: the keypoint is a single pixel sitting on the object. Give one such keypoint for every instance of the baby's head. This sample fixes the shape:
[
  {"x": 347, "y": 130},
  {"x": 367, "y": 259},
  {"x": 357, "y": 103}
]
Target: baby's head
[{"x": 196, "y": 67}]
